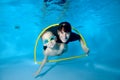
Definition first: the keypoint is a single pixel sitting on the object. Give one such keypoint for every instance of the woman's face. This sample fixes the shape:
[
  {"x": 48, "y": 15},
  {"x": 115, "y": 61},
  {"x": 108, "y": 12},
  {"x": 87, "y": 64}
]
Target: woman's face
[{"x": 64, "y": 36}]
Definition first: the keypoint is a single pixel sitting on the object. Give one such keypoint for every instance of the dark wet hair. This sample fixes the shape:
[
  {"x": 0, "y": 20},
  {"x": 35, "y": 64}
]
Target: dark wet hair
[{"x": 65, "y": 26}]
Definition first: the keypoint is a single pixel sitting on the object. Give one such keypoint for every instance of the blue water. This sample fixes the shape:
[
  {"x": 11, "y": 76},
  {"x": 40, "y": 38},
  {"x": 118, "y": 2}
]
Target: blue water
[{"x": 21, "y": 21}]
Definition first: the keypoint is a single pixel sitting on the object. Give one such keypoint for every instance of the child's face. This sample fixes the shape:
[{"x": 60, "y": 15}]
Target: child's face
[{"x": 49, "y": 40}]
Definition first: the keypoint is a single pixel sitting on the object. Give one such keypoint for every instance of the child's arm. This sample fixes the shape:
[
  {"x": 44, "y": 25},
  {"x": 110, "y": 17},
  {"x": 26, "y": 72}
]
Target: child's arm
[{"x": 42, "y": 65}]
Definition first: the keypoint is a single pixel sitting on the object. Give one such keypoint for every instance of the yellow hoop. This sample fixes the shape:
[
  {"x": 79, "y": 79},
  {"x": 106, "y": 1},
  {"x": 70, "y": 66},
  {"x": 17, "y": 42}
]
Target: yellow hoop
[{"x": 57, "y": 60}]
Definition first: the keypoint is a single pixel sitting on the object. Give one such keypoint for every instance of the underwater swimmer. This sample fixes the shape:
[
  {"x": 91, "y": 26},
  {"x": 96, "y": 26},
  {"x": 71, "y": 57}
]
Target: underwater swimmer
[
  {"x": 64, "y": 34},
  {"x": 52, "y": 48}
]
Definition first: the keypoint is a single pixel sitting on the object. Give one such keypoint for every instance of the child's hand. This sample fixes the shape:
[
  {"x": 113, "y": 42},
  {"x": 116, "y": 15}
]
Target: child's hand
[{"x": 36, "y": 74}]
